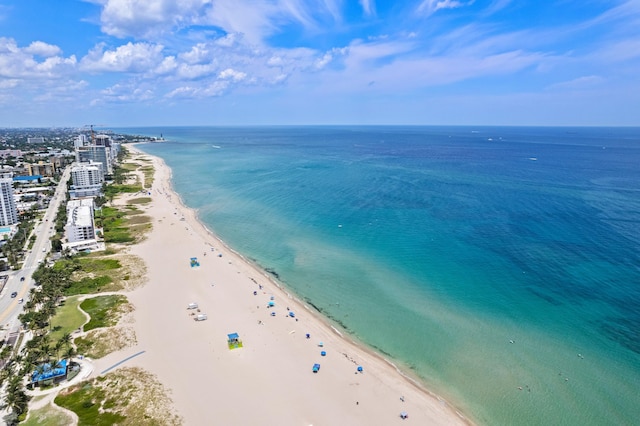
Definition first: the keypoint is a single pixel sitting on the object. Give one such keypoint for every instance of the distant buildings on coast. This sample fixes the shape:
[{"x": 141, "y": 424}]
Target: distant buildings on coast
[{"x": 29, "y": 171}]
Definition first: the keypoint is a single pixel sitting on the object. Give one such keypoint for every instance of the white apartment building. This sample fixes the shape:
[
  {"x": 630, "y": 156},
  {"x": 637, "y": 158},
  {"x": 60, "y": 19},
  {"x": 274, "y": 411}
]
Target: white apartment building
[
  {"x": 8, "y": 209},
  {"x": 80, "y": 225},
  {"x": 87, "y": 179},
  {"x": 87, "y": 174}
]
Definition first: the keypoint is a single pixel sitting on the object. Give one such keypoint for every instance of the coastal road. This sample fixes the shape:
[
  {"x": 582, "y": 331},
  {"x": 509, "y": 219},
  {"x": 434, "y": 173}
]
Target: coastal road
[{"x": 10, "y": 307}]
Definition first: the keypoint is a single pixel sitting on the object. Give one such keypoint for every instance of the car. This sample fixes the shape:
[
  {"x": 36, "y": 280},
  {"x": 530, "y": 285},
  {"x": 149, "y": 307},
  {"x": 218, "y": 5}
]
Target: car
[
  {"x": 14, "y": 294},
  {"x": 21, "y": 278}
]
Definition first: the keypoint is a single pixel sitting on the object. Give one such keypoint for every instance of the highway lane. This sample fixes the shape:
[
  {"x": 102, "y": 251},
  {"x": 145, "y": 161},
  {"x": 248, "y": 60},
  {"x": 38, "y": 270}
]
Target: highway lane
[{"x": 10, "y": 307}]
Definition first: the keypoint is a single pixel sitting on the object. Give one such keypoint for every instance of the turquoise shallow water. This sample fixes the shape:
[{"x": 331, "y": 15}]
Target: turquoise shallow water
[{"x": 438, "y": 246}]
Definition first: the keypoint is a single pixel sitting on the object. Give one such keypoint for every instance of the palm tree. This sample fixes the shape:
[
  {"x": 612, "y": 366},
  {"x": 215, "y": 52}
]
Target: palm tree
[
  {"x": 16, "y": 398},
  {"x": 70, "y": 353}
]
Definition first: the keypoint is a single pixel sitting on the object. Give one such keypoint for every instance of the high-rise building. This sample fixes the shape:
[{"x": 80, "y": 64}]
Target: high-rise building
[
  {"x": 81, "y": 140},
  {"x": 96, "y": 154},
  {"x": 8, "y": 209},
  {"x": 87, "y": 179}
]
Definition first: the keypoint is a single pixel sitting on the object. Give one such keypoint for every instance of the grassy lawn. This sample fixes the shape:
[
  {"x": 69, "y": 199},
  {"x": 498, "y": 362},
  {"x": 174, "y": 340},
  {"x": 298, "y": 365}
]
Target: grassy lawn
[
  {"x": 105, "y": 311},
  {"x": 67, "y": 319}
]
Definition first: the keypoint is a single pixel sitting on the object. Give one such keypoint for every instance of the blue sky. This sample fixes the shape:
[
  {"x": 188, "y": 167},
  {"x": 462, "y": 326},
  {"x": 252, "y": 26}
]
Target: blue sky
[{"x": 235, "y": 62}]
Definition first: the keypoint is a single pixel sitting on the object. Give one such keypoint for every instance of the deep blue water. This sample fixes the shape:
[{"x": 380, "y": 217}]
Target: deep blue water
[{"x": 439, "y": 245}]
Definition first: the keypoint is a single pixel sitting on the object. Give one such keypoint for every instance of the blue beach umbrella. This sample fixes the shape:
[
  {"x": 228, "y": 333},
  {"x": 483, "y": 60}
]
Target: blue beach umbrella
[{"x": 323, "y": 353}]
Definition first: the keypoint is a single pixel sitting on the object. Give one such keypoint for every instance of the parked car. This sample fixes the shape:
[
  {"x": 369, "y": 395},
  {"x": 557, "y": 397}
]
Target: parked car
[
  {"x": 21, "y": 278},
  {"x": 14, "y": 294}
]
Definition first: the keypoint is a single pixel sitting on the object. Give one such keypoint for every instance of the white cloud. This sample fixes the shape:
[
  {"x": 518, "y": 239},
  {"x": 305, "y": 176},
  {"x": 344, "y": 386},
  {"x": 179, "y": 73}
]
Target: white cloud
[
  {"x": 9, "y": 83},
  {"x": 168, "y": 65},
  {"x": 254, "y": 20},
  {"x": 431, "y": 6},
  {"x": 131, "y": 57},
  {"x": 147, "y": 18},
  {"x": 126, "y": 93},
  {"x": 231, "y": 74},
  {"x": 191, "y": 72},
  {"x": 368, "y": 7},
  {"x": 216, "y": 88},
  {"x": 583, "y": 82},
  {"x": 41, "y": 48},
  {"x": 20, "y": 63}
]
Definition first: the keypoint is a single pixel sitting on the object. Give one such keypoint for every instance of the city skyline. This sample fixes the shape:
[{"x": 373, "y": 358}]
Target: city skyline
[{"x": 122, "y": 63}]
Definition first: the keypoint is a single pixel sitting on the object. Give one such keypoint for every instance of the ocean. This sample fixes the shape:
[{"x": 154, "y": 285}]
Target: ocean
[{"x": 499, "y": 265}]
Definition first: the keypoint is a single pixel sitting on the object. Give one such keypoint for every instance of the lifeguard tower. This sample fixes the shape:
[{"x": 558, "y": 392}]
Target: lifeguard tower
[{"x": 233, "y": 340}]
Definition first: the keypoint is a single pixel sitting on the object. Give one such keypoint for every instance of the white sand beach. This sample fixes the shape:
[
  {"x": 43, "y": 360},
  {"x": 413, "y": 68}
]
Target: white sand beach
[{"x": 270, "y": 379}]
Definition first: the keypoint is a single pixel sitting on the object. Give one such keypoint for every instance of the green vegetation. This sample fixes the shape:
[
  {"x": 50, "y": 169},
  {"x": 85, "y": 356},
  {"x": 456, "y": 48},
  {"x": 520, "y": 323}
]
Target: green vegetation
[
  {"x": 87, "y": 401},
  {"x": 121, "y": 397},
  {"x": 114, "y": 225},
  {"x": 105, "y": 311},
  {"x": 141, "y": 200},
  {"x": 129, "y": 166},
  {"x": 88, "y": 285},
  {"x": 148, "y": 176},
  {"x": 112, "y": 190},
  {"x": 101, "y": 342},
  {"x": 67, "y": 319},
  {"x": 47, "y": 416}
]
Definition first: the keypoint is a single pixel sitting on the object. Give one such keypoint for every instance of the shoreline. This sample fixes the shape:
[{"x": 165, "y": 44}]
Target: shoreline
[{"x": 387, "y": 389}]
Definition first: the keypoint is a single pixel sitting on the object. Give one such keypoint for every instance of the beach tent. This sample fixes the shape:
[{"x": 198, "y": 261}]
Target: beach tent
[
  {"x": 233, "y": 340},
  {"x": 194, "y": 262},
  {"x": 271, "y": 304},
  {"x": 316, "y": 368},
  {"x": 291, "y": 314}
]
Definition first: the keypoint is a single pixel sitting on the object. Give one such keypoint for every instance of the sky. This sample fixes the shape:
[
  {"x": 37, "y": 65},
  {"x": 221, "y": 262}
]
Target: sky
[{"x": 119, "y": 63}]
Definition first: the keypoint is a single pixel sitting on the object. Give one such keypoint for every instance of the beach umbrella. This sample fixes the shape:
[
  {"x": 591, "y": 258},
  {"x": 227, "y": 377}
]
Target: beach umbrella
[
  {"x": 359, "y": 369},
  {"x": 323, "y": 353},
  {"x": 291, "y": 314},
  {"x": 321, "y": 344}
]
